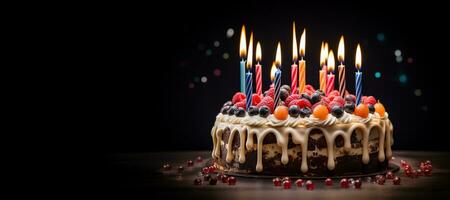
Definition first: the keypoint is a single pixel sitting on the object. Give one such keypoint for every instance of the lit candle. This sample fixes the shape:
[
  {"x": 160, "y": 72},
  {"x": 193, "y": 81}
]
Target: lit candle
[
  {"x": 323, "y": 65},
  {"x": 273, "y": 69},
  {"x": 341, "y": 67},
  {"x": 277, "y": 81},
  {"x": 249, "y": 75},
  {"x": 302, "y": 63},
  {"x": 330, "y": 77},
  {"x": 358, "y": 75},
  {"x": 258, "y": 70},
  {"x": 294, "y": 67},
  {"x": 242, "y": 54}
]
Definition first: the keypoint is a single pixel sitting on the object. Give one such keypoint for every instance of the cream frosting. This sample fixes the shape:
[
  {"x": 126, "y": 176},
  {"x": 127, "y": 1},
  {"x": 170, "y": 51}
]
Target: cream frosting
[{"x": 299, "y": 128}]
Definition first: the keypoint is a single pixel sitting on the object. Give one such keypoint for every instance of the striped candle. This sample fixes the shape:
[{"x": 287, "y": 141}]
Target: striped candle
[
  {"x": 258, "y": 70},
  {"x": 277, "y": 86},
  {"x": 330, "y": 83},
  {"x": 358, "y": 75},
  {"x": 294, "y": 78},
  {"x": 330, "y": 77},
  {"x": 302, "y": 82},
  {"x": 341, "y": 68},
  {"x": 248, "y": 89}
]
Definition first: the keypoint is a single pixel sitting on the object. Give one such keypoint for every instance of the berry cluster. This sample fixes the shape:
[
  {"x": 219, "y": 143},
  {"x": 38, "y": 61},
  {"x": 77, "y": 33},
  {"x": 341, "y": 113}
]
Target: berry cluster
[
  {"x": 425, "y": 168},
  {"x": 302, "y": 105},
  {"x": 309, "y": 185}
]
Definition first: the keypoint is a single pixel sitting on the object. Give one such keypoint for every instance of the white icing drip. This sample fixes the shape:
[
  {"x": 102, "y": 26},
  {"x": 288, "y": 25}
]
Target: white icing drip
[{"x": 248, "y": 126}]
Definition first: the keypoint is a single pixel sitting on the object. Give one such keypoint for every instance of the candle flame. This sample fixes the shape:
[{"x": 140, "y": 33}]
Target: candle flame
[
  {"x": 325, "y": 50},
  {"x": 278, "y": 56},
  {"x": 358, "y": 58},
  {"x": 272, "y": 71},
  {"x": 330, "y": 61},
  {"x": 250, "y": 52},
  {"x": 243, "y": 44},
  {"x": 341, "y": 50},
  {"x": 294, "y": 44},
  {"x": 258, "y": 52},
  {"x": 303, "y": 43},
  {"x": 321, "y": 55}
]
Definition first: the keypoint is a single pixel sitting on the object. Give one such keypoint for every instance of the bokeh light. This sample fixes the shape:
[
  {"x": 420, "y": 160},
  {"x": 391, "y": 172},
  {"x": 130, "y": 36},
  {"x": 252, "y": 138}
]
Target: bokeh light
[
  {"x": 425, "y": 108},
  {"x": 410, "y": 60},
  {"x": 399, "y": 59},
  {"x": 230, "y": 33},
  {"x": 225, "y": 56},
  {"x": 418, "y": 92},
  {"x": 377, "y": 74},
  {"x": 208, "y": 52},
  {"x": 380, "y": 37},
  {"x": 191, "y": 85},
  {"x": 196, "y": 79},
  {"x": 216, "y": 43},
  {"x": 403, "y": 78},
  {"x": 398, "y": 52},
  {"x": 217, "y": 72},
  {"x": 204, "y": 79}
]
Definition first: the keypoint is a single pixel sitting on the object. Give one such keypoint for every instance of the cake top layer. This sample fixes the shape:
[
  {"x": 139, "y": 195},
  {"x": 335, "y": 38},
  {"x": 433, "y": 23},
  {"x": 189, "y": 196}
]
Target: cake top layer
[{"x": 311, "y": 108}]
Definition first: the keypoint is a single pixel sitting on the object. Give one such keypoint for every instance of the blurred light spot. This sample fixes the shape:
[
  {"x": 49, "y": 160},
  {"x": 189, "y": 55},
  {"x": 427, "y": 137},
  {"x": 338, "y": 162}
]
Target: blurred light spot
[
  {"x": 380, "y": 37},
  {"x": 418, "y": 92},
  {"x": 208, "y": 52},
  {"x": 398, "y": 52},
  {"x": 230, "y": 33},
  {"x": 410, "y": 60},
  {"x": 425, "y": 108},
  {"x": 191, "y": 85},
  {"x": 196, "y": 79},
  {"x": 226, "y": 56},
  {"x": 399, "y": 59},
  {"x": 216, "y": 43},
  {"x": 217, "y": 72},
  {"x": 403, "y": 78},
  {"x": 377, "y": 75},
  {"x": 201, "y": 47},
  {"x": 204, "y": 79}
]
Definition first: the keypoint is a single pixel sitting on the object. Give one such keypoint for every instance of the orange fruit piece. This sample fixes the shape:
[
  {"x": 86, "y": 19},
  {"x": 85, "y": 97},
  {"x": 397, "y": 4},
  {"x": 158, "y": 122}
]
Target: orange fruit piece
[
  {"x": 362, "y": 110},
  {"x": 320, "y": 112},
  {"x": 281, "y": 112},
  {"x": 379, "y": 108}
]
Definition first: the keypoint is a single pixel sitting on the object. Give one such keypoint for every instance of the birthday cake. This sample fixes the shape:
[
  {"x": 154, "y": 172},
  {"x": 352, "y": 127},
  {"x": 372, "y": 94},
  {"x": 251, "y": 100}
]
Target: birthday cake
[{"x": 314, "y": 135}]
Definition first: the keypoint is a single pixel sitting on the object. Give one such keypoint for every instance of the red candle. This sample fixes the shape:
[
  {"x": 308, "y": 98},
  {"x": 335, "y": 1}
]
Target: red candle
[
  {"x": 258, "y": 70},
  {"x": 330, "y": 77}
]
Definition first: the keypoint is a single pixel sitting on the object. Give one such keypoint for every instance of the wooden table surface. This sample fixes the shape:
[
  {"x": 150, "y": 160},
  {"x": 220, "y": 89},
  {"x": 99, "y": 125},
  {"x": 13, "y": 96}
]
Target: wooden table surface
[{"x": 143, "y": 171}]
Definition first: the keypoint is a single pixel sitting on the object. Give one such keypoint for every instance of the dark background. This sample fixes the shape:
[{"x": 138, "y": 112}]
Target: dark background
[{"x": 150, "y": 97}]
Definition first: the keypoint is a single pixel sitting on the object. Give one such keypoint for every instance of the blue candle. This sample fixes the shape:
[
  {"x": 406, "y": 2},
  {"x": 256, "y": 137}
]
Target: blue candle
[
  {"x": 277, "y": 82},
  {"x": 242, "y": 76},
  {"x": 277, "y": 87},
  {"x": 249, "y": 89},
  {"x": 358, "y": 75},
  {"x": 358, "y": 85}
]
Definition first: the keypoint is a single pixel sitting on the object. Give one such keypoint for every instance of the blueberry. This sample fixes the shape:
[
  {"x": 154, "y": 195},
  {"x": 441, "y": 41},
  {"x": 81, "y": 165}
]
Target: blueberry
[
  {"x": 240, "y": 112},
  {"x": 225, "y": 110},
  {"x": 371, "y": 108},
  {"x": 305, "y": 96},
  {"x": 232, "y": 110},
  {"x": 284, "y": 94},
  {"x": 320, "y": 92},
  {"x": 349, "y": 107},
  {"x": 253, "y": 110},
  {"x": 294, "y": 111},
  {"x": 264, "y": 111},
  {"x": 315, "y": 98},
  {"x": 349, "y": 99},
  {"x": 305, "y": 112},
  {"x": 228, "y": 103},
  {"x": 337, "y": 111},
  {"x": 286, "y": 87}
]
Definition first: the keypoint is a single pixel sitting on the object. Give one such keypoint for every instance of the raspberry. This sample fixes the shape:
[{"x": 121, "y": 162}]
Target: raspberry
[
  {"x": 363, "y": 98},
  {"x": 339, "y": 100},
  {"x": 332, "y": 104},
  {"x": 256, "y": 99},
  {"x": 270, "y": 92},
  {"x": 302, "y": 103},
  {"x": 267, "y": 101},
  {"x": 239, "y": 96},
  {"x": 241, "y": 104},
  {"x": 370, "y": 100},
  {"x": 293, "y": 102},
  {"x": 309, "y": 87},
  {"x": 334, "y": 93},
  {"x": 290, "y": 98}
]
